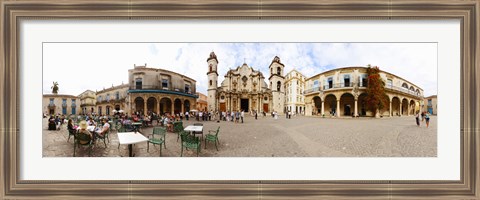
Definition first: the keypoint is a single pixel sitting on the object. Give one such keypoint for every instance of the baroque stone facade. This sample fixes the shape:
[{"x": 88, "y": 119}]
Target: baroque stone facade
[{"x": 244, "y": 88}]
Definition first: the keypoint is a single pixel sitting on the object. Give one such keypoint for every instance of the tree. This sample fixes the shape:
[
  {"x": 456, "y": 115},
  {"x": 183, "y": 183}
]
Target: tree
[
  {"x": 55, "y": 88},
  {"x": 376, "y": 98}
]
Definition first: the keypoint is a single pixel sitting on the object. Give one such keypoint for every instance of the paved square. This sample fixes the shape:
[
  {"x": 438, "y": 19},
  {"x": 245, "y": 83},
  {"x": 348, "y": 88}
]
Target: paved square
[{"x": 267, "y": 137}]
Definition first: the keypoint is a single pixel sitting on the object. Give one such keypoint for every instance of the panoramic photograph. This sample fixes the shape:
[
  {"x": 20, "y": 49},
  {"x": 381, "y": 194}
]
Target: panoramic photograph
[{"x": 239, "y": 100}]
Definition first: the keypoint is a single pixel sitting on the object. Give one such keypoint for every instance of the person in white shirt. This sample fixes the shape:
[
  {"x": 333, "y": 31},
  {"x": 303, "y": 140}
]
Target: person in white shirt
[
  {"x": 187, "y": 115},
  {"x": 242, "y": 115}
]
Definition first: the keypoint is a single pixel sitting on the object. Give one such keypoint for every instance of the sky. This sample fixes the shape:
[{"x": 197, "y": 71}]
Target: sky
[{"x": 94, "y": 66}]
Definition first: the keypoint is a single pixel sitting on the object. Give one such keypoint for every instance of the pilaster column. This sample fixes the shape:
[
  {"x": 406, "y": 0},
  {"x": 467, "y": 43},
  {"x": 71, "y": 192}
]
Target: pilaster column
[
  {"x": 338, "y": 108},
  {"x": 183, "y": 106},
  {"x": 356, "y": 110},
  {"x": 323, "y": 108},
  {"x": 401, "y": 108},
  {"x": 158, "y": 106},
  {"x": 172, "y": 111},
  {"x": 408, "y": 109},
  {"x": 390, "y": 111},
  {"x": 144, "y": 105}
]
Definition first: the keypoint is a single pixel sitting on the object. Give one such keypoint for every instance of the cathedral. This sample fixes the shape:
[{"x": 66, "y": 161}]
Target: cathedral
[{"x": 245, "y": 88}]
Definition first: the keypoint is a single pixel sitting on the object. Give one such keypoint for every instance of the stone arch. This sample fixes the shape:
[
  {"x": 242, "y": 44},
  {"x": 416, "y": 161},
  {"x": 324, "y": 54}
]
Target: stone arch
[
  {"x": 165, "y": 105},
  {"x": 395, "y": 106},
  {"x": 404, "y": 106},
  {"x": 317, "y": 105},
  {"x": 411, "y": 107},
  {"x": 362, "y": 105},
  {"x": 152, "y": 104},
  {"x": 177, "y": 106},
  {"x": 347, "y": 101},
  {"x": 186, "y": 105},
  {"x": 405, "y": 85},
  {"x": 139, "y": 104},
  {"x": 330, "y": 104}
]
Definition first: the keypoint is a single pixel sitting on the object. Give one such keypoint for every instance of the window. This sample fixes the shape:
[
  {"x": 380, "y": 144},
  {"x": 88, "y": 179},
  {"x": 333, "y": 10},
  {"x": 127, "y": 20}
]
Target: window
[
  {"x": 279, "y": 85},
  {"x": 364, "y": 81},
  {"x": 73, "y": 102},
  {"x": 64, "y": 101},
  {"x": 74, "y": 110},
  {"x": 210, "y": 82},
  {"x": 330, "y": 83},
  {"x": 187, "y": 88},
  {"x": 138, "y": 83},
  {"x": 389, "y": 83},
  {"x": 117, "y": 95},
  {"x": 107, "y": 110},
  {"x": 210, "y": 67},
  {"x": 278, "y": 71},
  {"x": 99, "y": 98},
  {"x": 429, "y": 103},
  {"x": 100, "y": 110},
  {"x": 165, "y": 83},
  {"x": 108, "y": 97},
  {"x": 315, "y": 84},
  {"x": 51, "y": 101},
  {"x": 64, "y": 110},
  {"x": 222, "y": 97},
  {"x": 346, "y": 80}
]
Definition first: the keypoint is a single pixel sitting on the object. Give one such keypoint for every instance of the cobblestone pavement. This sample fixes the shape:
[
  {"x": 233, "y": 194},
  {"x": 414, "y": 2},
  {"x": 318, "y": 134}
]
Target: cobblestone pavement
[{"x": 267, "y": 137}]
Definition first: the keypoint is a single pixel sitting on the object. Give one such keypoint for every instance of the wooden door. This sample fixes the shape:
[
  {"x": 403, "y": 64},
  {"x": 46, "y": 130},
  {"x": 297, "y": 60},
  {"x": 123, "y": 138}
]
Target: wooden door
[
  {"x": 265, "y": 107},
  {"x": 223, "y": 107}
]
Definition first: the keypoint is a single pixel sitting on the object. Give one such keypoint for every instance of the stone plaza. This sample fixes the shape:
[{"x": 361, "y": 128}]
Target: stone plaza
[{"x": 268, "y": 137}]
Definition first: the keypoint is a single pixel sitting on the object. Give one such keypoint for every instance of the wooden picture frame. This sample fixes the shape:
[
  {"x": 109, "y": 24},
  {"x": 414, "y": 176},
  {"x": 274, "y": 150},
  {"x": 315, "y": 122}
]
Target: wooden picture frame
[{"x": 466, "y": 11}]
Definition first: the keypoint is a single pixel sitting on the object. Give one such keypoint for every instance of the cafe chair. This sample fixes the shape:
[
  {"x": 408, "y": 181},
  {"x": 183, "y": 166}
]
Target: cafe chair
[
  {"x": 104, "y": 137},
  {"x": 198, "y": 132},
  {"x": 161, "y": 132},
  {"x": 78, "y": 138},
  {"x": 71, "y": 132},
  {"x": 212, "y": 137},
  {"x": 189, "y": 142},
  {"x": 177, "y": 128}
]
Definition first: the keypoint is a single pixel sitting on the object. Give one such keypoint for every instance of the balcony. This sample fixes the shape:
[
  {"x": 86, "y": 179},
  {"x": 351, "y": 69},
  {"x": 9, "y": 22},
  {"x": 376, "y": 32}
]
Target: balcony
[
  {"x": 160, "y": 89},
  {"x": 337, "y": 85},
  {"x": 403, "y": 90},
  {"x": 51, "y": 105},
  {"x": 64, "y": 105},
  {"x": 315, "y": 89}
]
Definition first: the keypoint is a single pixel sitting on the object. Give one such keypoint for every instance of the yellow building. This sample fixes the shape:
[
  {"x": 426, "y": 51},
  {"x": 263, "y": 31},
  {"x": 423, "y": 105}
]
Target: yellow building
[
  {"x": 87, "y": 102},
  {"x": 110, "y": 99},
  {"x": 342, "y": 92},
  {"x": 430, "y": 104},
  {"x": 160, "y": 91},
  {"x": 202, "y": 104},
  {"x": 61, "y": 104}
]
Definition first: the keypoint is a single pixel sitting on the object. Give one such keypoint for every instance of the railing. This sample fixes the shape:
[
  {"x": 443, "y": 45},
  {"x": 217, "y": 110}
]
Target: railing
[
  {"x": 364, "y": 84},
  {"x": 64, "y": 105},
  {"x": 402, "y": 89},
  {"x": 159, "y": 87},
  {"x": 51, "y": 105}
]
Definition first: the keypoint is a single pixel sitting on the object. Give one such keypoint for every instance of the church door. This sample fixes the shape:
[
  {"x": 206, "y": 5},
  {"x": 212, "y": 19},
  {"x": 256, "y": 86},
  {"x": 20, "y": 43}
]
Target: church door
[
  {"x": 223, "y": 107},
  {"x": 244, "y": 104},
  {"x": 265, "y": 107}
]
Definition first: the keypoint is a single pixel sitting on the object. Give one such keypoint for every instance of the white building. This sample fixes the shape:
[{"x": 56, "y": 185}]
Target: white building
[{"x": 295, "y": 85}]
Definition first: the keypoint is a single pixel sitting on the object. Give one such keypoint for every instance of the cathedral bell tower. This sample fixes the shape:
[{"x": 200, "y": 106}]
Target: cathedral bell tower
[
  {"x": 277, "y": 81},
  {"x": 212, "y": 82}
]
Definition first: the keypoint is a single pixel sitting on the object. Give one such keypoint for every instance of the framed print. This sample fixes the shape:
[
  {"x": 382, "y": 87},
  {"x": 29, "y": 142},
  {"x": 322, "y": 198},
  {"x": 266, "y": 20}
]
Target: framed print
[{"x": 230, "y": 99}]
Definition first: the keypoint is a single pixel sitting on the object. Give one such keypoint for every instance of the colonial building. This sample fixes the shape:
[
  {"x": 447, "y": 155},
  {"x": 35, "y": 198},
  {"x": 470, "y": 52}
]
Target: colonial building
[
  {"x": 295, "y": 85},
  {"x": 62, "y": 104},
  {"x": 112, "y": 99},
  {"x": 342, "y": 92},
  {"x": 87, "y": 102},
  {"x": 431, "y": 104},
  {"x": 160, "y": 91},
  {"x": 245, "y": 88},
  {"x": 202, "y": 102}
]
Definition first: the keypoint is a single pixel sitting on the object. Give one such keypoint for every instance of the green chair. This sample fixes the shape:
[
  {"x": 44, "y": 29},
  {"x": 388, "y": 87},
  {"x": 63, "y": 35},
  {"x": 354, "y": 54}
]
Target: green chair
[
  {"x": 71, "y": 132},
  {"x": 212, "y": 137},
  {"x": 161, "y": 132},
  {"x": 177, "y": 128},
  {"x": 189, "y": 142},
  {"x": 78, "y": 138},
  {"x": 105, "y": 137}
]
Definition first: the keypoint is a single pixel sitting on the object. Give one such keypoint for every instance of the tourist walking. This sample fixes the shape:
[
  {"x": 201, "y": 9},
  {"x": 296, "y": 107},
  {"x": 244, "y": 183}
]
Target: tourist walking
[
  {"x": 417, "y": 119},
  {"x": 427, "y": 118},
  {"x": 423, "y": 116},
  {"x": 242, "y": 115},
  {"x": 255, "y": 115},
  {"x": 186, "y": 115}
]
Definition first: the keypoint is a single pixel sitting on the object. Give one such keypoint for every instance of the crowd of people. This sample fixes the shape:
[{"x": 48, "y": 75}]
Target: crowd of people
[{"x": 425, "y": 116}]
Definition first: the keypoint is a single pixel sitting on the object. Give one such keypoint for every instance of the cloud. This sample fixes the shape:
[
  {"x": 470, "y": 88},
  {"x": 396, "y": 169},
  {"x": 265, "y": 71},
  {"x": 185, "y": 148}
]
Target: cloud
[{"x": 97, "y": 65}]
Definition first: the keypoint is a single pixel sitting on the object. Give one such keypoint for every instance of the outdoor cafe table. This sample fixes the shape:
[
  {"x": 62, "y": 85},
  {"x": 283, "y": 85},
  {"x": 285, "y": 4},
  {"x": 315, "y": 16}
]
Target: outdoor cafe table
[
  {"x": 194, "y": 129},
  {"x": 131, "y": 138}
]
